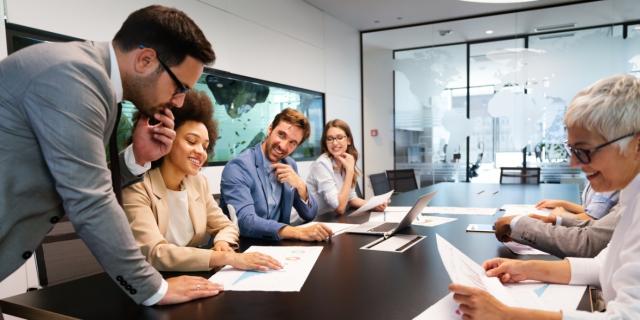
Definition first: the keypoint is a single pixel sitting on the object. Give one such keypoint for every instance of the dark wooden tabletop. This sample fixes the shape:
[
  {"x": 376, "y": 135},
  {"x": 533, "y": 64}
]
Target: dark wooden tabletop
[{"x": 345, "y": 283}]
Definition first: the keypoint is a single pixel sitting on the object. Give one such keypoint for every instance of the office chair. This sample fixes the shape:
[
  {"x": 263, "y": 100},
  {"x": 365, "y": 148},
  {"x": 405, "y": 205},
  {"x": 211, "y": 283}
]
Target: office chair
[
  {"x": 359, "y": 191},
  {"x": 473, "y": 170},
  {"x": 379, "y": 183},
  {"x": 62, "y": 256},
  {"x": 519, "y": 175},
  {"x": 402, "y": 180}
]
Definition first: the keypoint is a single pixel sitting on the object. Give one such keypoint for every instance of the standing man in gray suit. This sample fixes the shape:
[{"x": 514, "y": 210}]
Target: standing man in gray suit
[{"x": 58, "y": 105}]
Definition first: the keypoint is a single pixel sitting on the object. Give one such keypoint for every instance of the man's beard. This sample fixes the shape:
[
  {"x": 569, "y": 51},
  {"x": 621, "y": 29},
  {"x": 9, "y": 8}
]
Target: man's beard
[
  {"x": 269, "y": 148},
  {"x": 136, "y": 91}
]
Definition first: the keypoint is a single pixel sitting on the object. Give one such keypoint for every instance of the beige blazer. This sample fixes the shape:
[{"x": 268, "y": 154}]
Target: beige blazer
[{"x": 146, "y": 207}]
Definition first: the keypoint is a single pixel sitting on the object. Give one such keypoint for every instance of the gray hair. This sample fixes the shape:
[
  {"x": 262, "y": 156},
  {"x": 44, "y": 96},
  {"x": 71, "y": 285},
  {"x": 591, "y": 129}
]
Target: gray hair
[{"x": 609, "y": 107}]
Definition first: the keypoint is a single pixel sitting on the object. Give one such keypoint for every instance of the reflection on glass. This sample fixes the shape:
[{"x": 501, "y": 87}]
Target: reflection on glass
[{"x": 430, "y": 119}]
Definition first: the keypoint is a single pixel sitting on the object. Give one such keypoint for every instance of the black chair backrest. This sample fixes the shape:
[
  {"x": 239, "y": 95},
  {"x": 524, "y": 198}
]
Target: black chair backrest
[
  {"x": 359, "y": 191},
  {"x": 63, "y": 256},
  {"x": 519, "y": 175},
  {"x": 379, "y": 183},
  {"x": 402, "y": 180}
]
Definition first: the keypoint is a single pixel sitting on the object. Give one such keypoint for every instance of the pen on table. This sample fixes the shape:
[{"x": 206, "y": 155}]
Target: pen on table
[
  {"x": 479, "y": 192},
  {"x": 496, "y": 192}
]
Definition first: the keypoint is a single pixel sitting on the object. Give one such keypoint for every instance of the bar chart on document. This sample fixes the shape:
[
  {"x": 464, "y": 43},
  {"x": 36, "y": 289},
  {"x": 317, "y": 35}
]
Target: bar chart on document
[{"x": 297, "y": 263}]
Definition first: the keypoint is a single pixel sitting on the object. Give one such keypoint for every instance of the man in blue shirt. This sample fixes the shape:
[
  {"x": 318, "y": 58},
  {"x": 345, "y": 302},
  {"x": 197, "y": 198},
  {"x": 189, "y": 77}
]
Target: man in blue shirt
[{"x": 262, "y": 185}]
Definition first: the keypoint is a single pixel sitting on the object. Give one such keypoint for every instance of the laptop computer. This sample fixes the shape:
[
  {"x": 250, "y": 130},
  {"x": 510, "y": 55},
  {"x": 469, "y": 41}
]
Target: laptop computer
[{"x": 389, "y": 228}]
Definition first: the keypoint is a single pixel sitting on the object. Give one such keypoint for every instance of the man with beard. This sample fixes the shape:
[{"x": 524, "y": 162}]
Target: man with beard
[
  {"x": 262, "y": 185},
  {"x": 59, "y": 105}
]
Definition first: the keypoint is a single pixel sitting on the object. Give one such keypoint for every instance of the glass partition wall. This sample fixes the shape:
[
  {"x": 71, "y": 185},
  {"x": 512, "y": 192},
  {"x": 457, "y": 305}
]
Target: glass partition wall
[{"x": 474, "y": 103}]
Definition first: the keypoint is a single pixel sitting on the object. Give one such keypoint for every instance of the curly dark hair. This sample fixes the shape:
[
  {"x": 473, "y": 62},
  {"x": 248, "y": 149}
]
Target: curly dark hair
[{"x": 197, "y": 107}]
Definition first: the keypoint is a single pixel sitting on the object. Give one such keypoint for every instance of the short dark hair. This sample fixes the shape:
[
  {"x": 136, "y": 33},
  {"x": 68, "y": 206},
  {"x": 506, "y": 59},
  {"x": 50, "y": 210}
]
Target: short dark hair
[
  {"x": 296, "y": 118},
  {"x": 169, "y": 31}
]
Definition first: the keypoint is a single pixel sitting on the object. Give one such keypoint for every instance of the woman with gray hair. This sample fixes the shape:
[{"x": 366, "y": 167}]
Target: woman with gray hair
[{"x": 603, "y": 123}]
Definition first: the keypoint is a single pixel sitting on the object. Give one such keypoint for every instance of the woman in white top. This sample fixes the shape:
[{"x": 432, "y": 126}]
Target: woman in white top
[
  {"x": 172, "y": 212},
  {"x": 333, "y": 176},
  {"x": 603, "y": 123}
]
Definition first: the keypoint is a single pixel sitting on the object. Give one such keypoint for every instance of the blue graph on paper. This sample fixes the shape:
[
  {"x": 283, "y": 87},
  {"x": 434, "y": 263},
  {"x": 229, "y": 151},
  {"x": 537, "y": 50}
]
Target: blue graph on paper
[
  {"x": 540, "y": 291},
  {"x": 247, "y": 275}
]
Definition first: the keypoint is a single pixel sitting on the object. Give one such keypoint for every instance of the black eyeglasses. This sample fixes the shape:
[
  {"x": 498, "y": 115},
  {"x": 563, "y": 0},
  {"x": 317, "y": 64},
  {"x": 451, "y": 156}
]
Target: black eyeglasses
[
  {"x": 336, "y": 138},
  {"x": 180, "y": 87},
  {"x": 584, "y": 155}
]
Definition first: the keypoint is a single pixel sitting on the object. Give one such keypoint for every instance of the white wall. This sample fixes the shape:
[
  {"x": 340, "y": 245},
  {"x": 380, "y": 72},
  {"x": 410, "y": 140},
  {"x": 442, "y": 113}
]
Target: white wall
[
  {"x": 284, "y": 41},
  {"x": 378, "y": 112}
]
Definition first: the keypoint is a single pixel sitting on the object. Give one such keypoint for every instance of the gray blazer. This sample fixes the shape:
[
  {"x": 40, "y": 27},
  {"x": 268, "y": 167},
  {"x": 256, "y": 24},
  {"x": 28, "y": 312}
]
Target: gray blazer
[
  {"x": 574, "y": 238},
  {"x": 58, "y": 108}
]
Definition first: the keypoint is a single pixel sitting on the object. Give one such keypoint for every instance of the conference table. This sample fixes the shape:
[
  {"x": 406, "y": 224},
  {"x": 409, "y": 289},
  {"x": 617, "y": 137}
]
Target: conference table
[{"x": 345, "y": 283}]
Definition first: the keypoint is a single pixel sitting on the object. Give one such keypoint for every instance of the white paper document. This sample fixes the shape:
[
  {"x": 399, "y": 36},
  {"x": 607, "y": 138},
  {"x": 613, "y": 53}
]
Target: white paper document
[
  {"x": 460, "y": 210},
  {"x": 297, "y": 263},
  {"x": 448, "y": 210},
  {"x": 522, "y": 210},
  {"x": 374, "y": 202},
  {"x": 530, "y": 294},
  {"x": 396, "y": 216},
  {"x": 445, "y": 309},
  {"x": 431, "y": 221},
  {"x": 336, "y": 228},
  {"x": 552, "y": 297},
  {"x": 523, "y": 249},
  {"x": 463, "y": 270}
]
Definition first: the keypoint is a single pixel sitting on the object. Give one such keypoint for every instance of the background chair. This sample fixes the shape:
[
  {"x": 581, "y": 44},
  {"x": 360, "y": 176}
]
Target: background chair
[
  {"x": 519, "y": 175},
  {"x": 379, "y": 183},
  {"x": 402, "y": 180},
  {"x": 359, "y": 191},
  {"x": 63, "y": 256}
]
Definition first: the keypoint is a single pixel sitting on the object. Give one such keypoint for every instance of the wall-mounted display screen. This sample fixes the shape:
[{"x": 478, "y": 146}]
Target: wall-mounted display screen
[{"x": 244, "y": 108}]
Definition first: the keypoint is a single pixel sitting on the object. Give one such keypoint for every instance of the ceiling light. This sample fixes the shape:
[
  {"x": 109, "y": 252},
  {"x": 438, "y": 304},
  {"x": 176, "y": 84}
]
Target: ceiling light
[
  {"x": 555, "y": 27},
  {"x": 489, "y": 32},
  {"x": 498, "y": 1},
  {"x": 558, "y": 35}
]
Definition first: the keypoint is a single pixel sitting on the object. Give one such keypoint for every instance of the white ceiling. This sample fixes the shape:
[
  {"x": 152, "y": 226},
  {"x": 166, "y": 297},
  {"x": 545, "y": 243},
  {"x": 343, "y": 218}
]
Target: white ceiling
[
  {"x": 362, "y": 14},
  {"x": 580, "y": 15}
]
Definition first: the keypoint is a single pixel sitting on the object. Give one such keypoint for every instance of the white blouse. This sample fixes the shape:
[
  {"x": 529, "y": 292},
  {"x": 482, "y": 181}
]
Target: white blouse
[
  {"x": 179, "y": 228},
  {"x": 324, "y": 183},
  {"x": 617, "y": 268}
]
